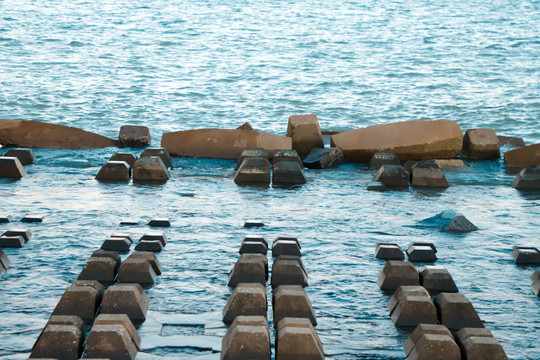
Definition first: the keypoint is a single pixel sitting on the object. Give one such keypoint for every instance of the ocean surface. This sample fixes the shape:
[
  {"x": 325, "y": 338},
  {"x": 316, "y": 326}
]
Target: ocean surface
[{"x": 178, "y": 65}]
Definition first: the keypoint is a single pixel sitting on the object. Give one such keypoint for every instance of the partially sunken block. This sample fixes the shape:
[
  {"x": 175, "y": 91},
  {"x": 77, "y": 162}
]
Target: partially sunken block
[
  {"x": 102, "y": 269},
  {"x": 286, "y": 247},
  {"x": 428, "y": 174},
  {"x": 397, "y": 273},
  {"x": 388, "y": 251},
  {"x": 412, "y": 310},
  {"x": 392, "y": 176},
  {"x": 25, "y": 156},
  {"x": 133, "y": 136},
  {"x": 285, "y": 155},
  {"x": 253, "y": 170},
  {"x": 526, "y": 255},
  {"x": 120, "y": 319},
  {"x": 149, "y": 245},
  {"x": 114, "y": 171},
  {"x": 305, "y": 133},
  {"x": 11, "y": 167},
  {"x": 81, "y": 299},
  {"x": 149, "y": 169},
  {"x": 287, "y": 173},
  {"x": 136, "y": 271},
  {"x": 110, "y": 341},
  {"x": 437, "y": 279},
  {"x": 127, "y": 157},
  {"x": 323, "y": 158},
  {"x": 59, "y": 341},
  {"x": 247, "y": 299},
  {"x": 527, "y": 179},
  {"x": 288, "y": 272},
  {"x": 150, "y": 257},
  {"x": 251, "y": 152},
  {"x": 159, "y": 152},
  {"x": 292, "y": 301},
  {"x": 5, "y": 219},
  {"x": 250, "y": 268},
  {"x": 481, "y": 144},
  {"x": 25, "y": 233},
  {"x": 456, "y": 311},
  {"x": 32, "y": 219},
  {"x": 160, "y": 222},
  {"x": 119, "y": 244},
  {"x": 478, "y": 343},
  {"x": 247, "y": 338},
  {"x": 380, "y": 159},
  {"x": 156, "y": 235},
  {"x": 129, "y": 299},
  {"x": 11, "y": 241},
  {"x": 431, "y": 342},
  {"x": 253, "y": 223},
  {"x": 255, "y": 238},
  {"x": 297, "y": 340},
  {"x": 419, "y": 253}
]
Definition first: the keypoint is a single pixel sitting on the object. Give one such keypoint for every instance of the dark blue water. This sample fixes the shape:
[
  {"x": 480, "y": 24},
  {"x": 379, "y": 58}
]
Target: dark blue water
[{"x": 174, "y": 65}]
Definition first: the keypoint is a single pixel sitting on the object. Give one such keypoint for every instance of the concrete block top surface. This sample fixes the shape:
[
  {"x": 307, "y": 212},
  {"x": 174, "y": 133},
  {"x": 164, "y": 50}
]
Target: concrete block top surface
[
  {"x": 127, "y": 157},
  {"x": 133, "y": 136},
  {"x": 25, "y": 233},
  {"x": 158, "y": 152},
  {"x": 120, "y": 319},
  {"x": 150, "y": 257},
  {"x": 305, "y": 132},
  {"x": 25, "y": 156}
]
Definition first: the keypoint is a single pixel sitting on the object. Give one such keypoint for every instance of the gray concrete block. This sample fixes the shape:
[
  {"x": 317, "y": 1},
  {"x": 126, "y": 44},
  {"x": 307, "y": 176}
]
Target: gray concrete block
[
  {"x": 285, "y": 247},
  {"x": 388, "y": 251},
  {"x": 412, "y": 310},
  {"x": 116, "y": 244},
  {"x": 25, "y": 233},
  {"x": 128, "y": 157},
  {"x": 11, "y": 241},
  {"x": 247, "y": 338},
  {"x": 114, "y": 171},
  {"x": 136, "y": 271},
  {"x": 323, "y": 158},
  {"x": 479, "y": 344},
  {"x": 253, "y": 170},
  {"x": 149, "y": 245},
  {"x": 412, "y": 290},
  {"x": 150, "y": 169},
  {"x": 253, "y": 223},
  {"x": 150, "y": 257},
  {"x": 526, "y": 255},
  {"x": 435, "y": 347},
  {"x": 437, "y": 279},
  {"x": 292, "y": 301},
  {"x": 251, "y": 152},
  {"x": 102, "y": 269},
  {"x": 253, "y": 247},
  {"x": 455, "y": 311},
  {"x": 380, "y": 159},
  {"x": 110, "y": 341},
  {"x": 62, "y": 342},
  {"x": 155, "y": 235},
  {"x": 120, "y": 319},
  {"x": 159, "y": 152},
  {"x": 80, "y": 300},
  {"x": 421, "y": 254},
  {"x": 250, "y": 268},
  {"x": 160, "y": 222},
  {"x": 247, "y": 299},
  {"x": 129, "y": 299},
  {"x": 25, "y": 156},
  {"x": 11, "y": 167},
  {"x": 422, "y": 329},
  {"x": 392, "y": 176},
  {"x": 288, "y": 272},
  {"x": 295, "y": 343},
  {"x": 287, "y": 173},
  {"x": 397, "y": 273}
]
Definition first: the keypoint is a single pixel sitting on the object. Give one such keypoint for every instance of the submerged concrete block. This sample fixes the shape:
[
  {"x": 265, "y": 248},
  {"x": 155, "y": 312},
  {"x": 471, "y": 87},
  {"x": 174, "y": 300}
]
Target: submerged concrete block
[
  {"x": 62, "y": 342},
  {"x": 25, "y": 156},
  {"x": 392, "y": 176},
  {"x": 286, "y": 238},
  {"x": 421, "y": 254},
  {"x": 437, "y": 279},
  {"x": 449, "y": 221},
  {"x": 512, "y": 141},
  {"x": 253, "y": 223},
  {"x": 129, "y": 299},
  {"x": 285, "y": 155},
  {"x": 422, "y": 329},
  {"x": 150, "y": 257},
  {"x": 81, "y": 299},
  {"x": 295, "y": 343},
  {"x": 116, "y": 244},
  {"x": 133, "y": 136},
  {"x": 428, "y": 174},
  {"x": 136, "y": 271},
  {"x": 11, "y": 167},
  {"x": 25, "y": 233},
  {"x": 160, "y": 222},
  {"x": 526, "y": 255},
  {"x": 156, "y": 235},
  {"x": 481, "y": 144},
  {"x": 150, "y": 169},
  {"x": 288, "y": 272},
  {"x": 323, "y": 158},
  {"x": 110, "y": 341},
  {"x": 397, "y": 273},
  {"x": 32, "y": 219},
  {"x": 286, "y": 247},
  {"x": 127, "y": 157},
  {"x": 159, "y": 152},
  {"x": 247, "y": 338},
  {"x": 287, "y": 173},
  {"x": 292, "y": 301},
  {"x": 102, "y": 269},
  {"x": 412, "y": 310},
  {"x": 255, "y": 238},
  {"x": 120, "y": 319},
  {"x": 248, "y": 299},
  {"x": 5, "y": 219},
  {"x": 380, "y": 159},
  {"x": 305, "y": 133},
  {"x": 388, "y": 251},
  {"x": 250, "y": 268},
  {"x": 253, "y": 170},
  {"x": 251, "y": 152},
  {"x": 11, "y": 241},
  {"x": 253, "y": 247},
  {"x": 527, "y": 179},
  {"x": 149, "y": 245},
  {"x": 114, "y": 170},
  {"x": 479, "y": 344},
  {"x": 456, "y": 311}
]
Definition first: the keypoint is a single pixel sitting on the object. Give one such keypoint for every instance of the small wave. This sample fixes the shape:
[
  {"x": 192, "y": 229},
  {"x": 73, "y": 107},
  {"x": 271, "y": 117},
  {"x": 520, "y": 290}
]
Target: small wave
[{"x": 76, "y": 44}]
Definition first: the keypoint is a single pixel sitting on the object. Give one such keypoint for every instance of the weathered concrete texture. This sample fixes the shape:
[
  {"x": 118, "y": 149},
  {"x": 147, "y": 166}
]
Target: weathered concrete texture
[
  {"x": 156, "y": 235},
  {"x": 456, "y": 311},
  {"x": 527, "y": 179},
  {"x": 247, "y": 338},
  {"x": 284, "y": 155},
  {"x": 107, "y": 254},
  {"x": 413, "y": 310},
  {"x": 129, "y": 299},
  {"x": 133, "y": 136},
  {"x": 120, "y": 319},
  {"x": 35, "y": 134},
  {"x": 253, "y": 247},
  {"x": 128, "y": 157},
  {"x": 305, "y": 133},
  {"x": 292, "y": 301},
  {"x": 421, "y": 254},
  {"x": 25, "y": 156},
  {"x": 388, "y": 251},
  {"x": 250, "y": 268},
  {"x": 110, "y": 341},
  {"x": 150, "y": 169},
  {"x": 136, "y": 271},
  {"x": 114, "y": 170},
  {"x": 511, "y": 141},
  {"x": 428, "y": 174},
  {"x": 11, "y": 241},
  {"x": 432, "y": 346},
  {"x": 102, "y": 269},
  {"x": 286, "y": 247},
  {"x": 397, "y": 273},
  {"x": 62, "y": 342},
  {"x": 116, "y": 244},
  {"x": 32, "y": 219},
  {"x": 149, "y": 245},
  {"x": 402, "y": 291},
  {"x": 253, "y": 223},
  {"x": 449, "y": 221},
  {"x": 481, "y": 144},
  {"x": 245, "y": 126},
  {"x": 11, "y": 168},
  {"x": 288, "y": 272},
  {"x": 409, "y": 140},
  {"x": 159, "y": 152},
  {"x": 287, "y": 173},
  {"x": 160, "y": 222},
  {"x": 420, "y": 331},
  {"x": 221, "y": 143},
  {"x": 81, "y": 299},
  {"x": 253, "y": 170},
  {"x": 150, "y": 257},
  {"x": 479, "y": 344},
  {"x": 251, "y": 152},
  {"x": 323, "y": 158},
  {"x": 392, "y": 176},
  {"x": 526, "y": 255},
  {"x": 437, "y": 279},
  {"x": 380, "y": 159},
  {"x": 248, "y": 299},
  {"x": 298, "y": 259},
  {"x": 25, "y": 233},
  {"x": 525, "y": 157},
  {"x": 298, "y": 343}
]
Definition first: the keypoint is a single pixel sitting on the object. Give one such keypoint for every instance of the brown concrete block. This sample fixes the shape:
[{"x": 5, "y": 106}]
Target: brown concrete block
[
  {"x": 107, "y": 254},
  {"x": 247, "y": 299},
  {"x": 120, "y": 319},
  {"x": 159, "y": 152},
  {"x": 512, "y": 141},
  {"x": 285, "y": 155},
  {"x": 437, "y": 279},
  {"x": 380, "y": 159},
  {"x": 11, "y": 241},
  {"x": 92, "y": 283},
  {"x": 412, "y": 310},
  {"x": 11, "y": 167},
  {"x": 525, "y": 157},
  {"x": 422, "y": 329},
  {"x": 413, "y": 290},
  {"x": 149, "y": 245},
  {"x": 397, "y": 273},
  {"x": 294, "y": 258},
  {"x": 150, "y": 169},
  {"x": 388, "y": 251},
  {"x": 155, "y": 235},
  {"x": 428, "y": 174},
  {"x": 245, "y": 320},
  {"x": 136, "y": 271},
  {"x": 455, "y": 311},
  {"x": 305, "y": 133},
  {"x": 526, "y": 255},
  {"x": 66, "y": 320},
  {"x": 251, "y": 152},
  {"x": 128, "y": 157},
  {"x": 116, "y": 244},
  {"x": 299, "y": 323},
  {"x": 25, "y": 156},
  {"x": 253, "y": 170},
  {"x": 250, "y": 268},
  {"x": 25, "y": 233},
  {"x": 114, "y": 171},
  {"x": 481, "y": 144},
  {"x": 288, "y": 272},
  {"x": 286, "y": 247},
  {"x": 133, "y": 136},
  {"x": 62, "y": 342},
  {"x": 81, "y": 300},
  {"x": 479, "y": 344},
  {"x": 392, "y": 176},
  {"x": 298, "y": 343},
  {"x": 129, "y": 299},
  {"x": 292, "y": 301},
  {"x": 110, "y": 341},
  {"x": 247, "y": 338},
  {"x": 435, "y": 347},
  {"x": 150, "y": 257},
  {"x": 102, "y": 269}
]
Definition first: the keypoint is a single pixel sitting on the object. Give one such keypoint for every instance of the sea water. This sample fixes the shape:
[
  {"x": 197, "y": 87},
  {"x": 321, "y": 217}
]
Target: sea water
[{"x": 178, "y": 65}]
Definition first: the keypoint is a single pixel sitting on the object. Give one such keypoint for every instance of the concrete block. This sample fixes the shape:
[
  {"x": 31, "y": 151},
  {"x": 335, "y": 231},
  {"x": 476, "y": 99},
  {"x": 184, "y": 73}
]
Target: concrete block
[
  {"x": 287, "y": 173},
  {"x": 437, "y": 279},
  {"x": 535, "y": 275},
  {"x": 421, "y": 254},
  {"x": 253, "y": 171},
  {"x": 92, "y": 283},
  {"x": 156, "y": 235},
  {"x": 450, "y": 164},
  {"x": 114, "y": 171},
  {"x": 253, "y": 247},
  {"x": 149, "y": 245},
  {"x": 422, "y": 329},
  {"x": 67, "y": 320},
  {"x": 255, "y": 238},
  {"x": 120, "y": 319},
  {"x": 305, "y": 133},
  {"x": 5, "y": 219},
  {"x": 286, "y": 247},
  {"x": 288, "y": 272},
  {"x": 150, "y": 169},
  {"x": 536, "y": 286},
  {"x": 129, "y": 222},
  {"x": 150, "y": 257},
  {"x": 296, "y": 343},
  {"x": 253, "y": 223},
  {"x": 527, "y": 179},
  {"x": 32, "y": 219},
  {"x": 411, "y": 290},
  {"x": 25, "y": 156},
  {"x": 250, "y": 268},
  {"x": 292, "y": 301},
  {"x": 248, "y": 299},
  {"x": 289, "y": 322},
  {"x": 110, "y": 341},
  {"x": 11, "y": 167},
  {"x": 422, "y": 243},
  {"x": 449, "y": 221},
  {"x": 102, "y": 269},
  {"x": 285, "y": 155},
  {"x": 11, "y": 241},
  {"x": 392, "y": 176},
  {"x": 412, "y": 310},
  {"x": 25, "y": 233},
  {"x": 80, "y": 300},
  {"x": 159, "y": 152},
  {"x": 294, "y": 258},
  {"x": 287, "y": 238},
  {"x": 525, "y": 157},
  {"x": 107, "y": 254},
  {"x": 455, "y": 311},
  {"x": 62, "y": 342},
  {"x": 512, "y": 141},
  {"x": 133, "y": 136},
  {"x": 526, "y": 255},
  {"x": 116, "y": 244},
  {"x": 481, "y": 144},
  {"x": 4, "y": 260},
  {"x": 323, "y": 158},
  {"x": 127, "y": 157},
  {"x": 251, "y": 152},
  {"x": 435, "y": 347},
  {"x": 388, "y": 251},
  {"x": 129, "y": 299},
  {"x": 479, "y": 344},
  {"x": 428, "y": 174},
  {"x": 136, "y": 271},
  {"x": 397, "y": 273},
  {"x": 160, "y": 222},
  {"x": 247, "y": 338},
  {"x": 380, "y": 159}
]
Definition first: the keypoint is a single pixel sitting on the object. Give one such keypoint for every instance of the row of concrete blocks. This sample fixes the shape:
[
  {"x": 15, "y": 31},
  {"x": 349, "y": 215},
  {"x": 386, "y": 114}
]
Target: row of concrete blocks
[
  {"x": 24, "y": 219},
  {"x": 436, "y": 342},
  {"x": 526, "y": 255},
  {"x": 423, "y": 174},
  {"x": 4, "y": 262},
  {"x": 152, "y": 242},
  {"x": 15, "y": 238},
  {"x": 152, "y": 165},
  {"x": 417, "y": 251},
  {"x": 253, "y": 168},
  {"x": 535, "y": 278},
  {"x": 13, "y": 161}
]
